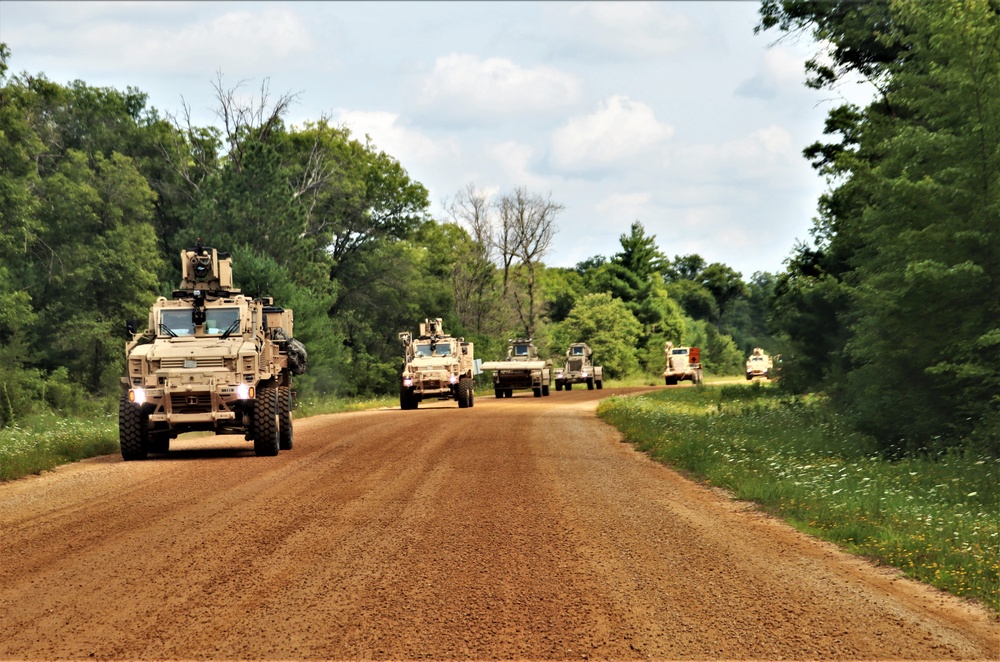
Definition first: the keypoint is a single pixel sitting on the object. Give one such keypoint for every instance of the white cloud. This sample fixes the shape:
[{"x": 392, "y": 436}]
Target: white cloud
[
  {"x": 781, "y": 71},
  {"x": 392, "y": 135},
  {"x": 631, "y": 28},
  {"x": 468, "y": 84},
  {"x": 620, "y": 130},
  {"x": 239, "y": 39}
]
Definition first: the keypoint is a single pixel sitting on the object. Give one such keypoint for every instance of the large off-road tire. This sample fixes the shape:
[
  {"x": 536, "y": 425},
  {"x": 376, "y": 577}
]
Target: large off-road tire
[
  {"x": 133, "y": 437},
  {"x": 559, "y": 385},
  {"x": 537, "y": 391},
  {"x": 407, "y": 399},
  {"x": 498, "y": 392},
  {"x": 508, "y": 393},
  {"x": 749, "y": 376},
  {"x": 464, "y": 392},
  {"x": 545, "y": 389},
  {"x": 569, "y": 386},
  {"x": 600, "y": 384},
  {"x": 285, "y": 427},
  {"x": 590, "y": 383},
  {"x": 266, "y": 429},
  {"x": 671, "y": 381}
]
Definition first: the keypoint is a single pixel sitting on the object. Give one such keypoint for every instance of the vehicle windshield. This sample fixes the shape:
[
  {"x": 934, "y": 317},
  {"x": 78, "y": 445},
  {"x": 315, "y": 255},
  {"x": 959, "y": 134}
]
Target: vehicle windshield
[
  {"x": 176, "y": 322},
  {"x": 220, "y": 320},
  {"x": 520, "y": 350},
  {"x": 440, "y": 349},
  {"x": 578, "y": 351},
  {"x": 680, "y": 351}
]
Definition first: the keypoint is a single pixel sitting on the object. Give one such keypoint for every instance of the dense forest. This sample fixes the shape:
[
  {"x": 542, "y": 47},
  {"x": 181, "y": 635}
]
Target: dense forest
[{"x": 892, "y": 312}]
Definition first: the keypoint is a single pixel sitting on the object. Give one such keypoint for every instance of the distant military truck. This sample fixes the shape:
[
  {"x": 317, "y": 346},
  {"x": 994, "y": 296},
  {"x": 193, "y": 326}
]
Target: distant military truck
[
  {"x": 210, "y": 359},
  {"x": 682, "y": 363},
  {"x": 579, "y": 369},
  {"x": 522, "y": 369},
  {"x": 436, "y": 365},
  {"x": 759, "y": 364}
]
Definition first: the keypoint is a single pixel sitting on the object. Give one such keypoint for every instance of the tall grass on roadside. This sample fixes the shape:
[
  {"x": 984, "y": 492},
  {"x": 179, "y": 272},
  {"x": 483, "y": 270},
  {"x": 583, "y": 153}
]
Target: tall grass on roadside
[
  {"x": 46, "y": 441},
  {"x": 936, "y": 518}
]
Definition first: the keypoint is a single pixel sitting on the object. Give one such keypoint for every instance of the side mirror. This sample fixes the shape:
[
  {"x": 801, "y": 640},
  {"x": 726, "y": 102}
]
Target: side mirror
[{"x": 132, "y": 326}]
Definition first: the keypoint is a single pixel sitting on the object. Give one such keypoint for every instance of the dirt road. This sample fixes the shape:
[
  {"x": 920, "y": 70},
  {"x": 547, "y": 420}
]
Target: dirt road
[{"x": 519, "y": 528}]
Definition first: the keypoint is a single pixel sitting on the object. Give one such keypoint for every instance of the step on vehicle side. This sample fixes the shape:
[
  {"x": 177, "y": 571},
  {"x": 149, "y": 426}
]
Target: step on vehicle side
[
  {"x": 436, "y": 365},
  {"x": 210, "y": 359},
  {"x": 579, "y": 369},
  {"x": 522, "y": 369}
]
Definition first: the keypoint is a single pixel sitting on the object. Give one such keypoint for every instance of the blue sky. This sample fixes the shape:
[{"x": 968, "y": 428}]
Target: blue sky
[{"x": 671, "y": 113}]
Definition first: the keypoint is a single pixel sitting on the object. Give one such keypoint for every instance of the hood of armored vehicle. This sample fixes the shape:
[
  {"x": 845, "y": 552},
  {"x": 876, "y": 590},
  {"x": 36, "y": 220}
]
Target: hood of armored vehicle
[
  {"x": 428, "y": 363},
  {"x": 192, "y": 352}
]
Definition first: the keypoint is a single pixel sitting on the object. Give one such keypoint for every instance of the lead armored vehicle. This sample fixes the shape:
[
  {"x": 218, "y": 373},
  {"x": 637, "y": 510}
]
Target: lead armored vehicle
[
  {"x": 579, "y": 369},
  {"x": 436, "y": 365},
  {"x": 759, "y": 365},
  {"x": 522, "y": 369},
  {"x": 210, "y": 359}
]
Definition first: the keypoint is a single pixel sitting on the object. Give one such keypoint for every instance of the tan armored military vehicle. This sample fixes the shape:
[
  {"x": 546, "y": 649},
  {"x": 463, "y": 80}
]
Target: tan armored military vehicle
[
  {"x": 758, "y": 364},
  {"x": 579, "y": 369},
  {"x": 682, "y": 363},
  {"x": 209, "y": 359},
  {"x": 522, "y": 369},
  {"x": 435, "y": 365}
]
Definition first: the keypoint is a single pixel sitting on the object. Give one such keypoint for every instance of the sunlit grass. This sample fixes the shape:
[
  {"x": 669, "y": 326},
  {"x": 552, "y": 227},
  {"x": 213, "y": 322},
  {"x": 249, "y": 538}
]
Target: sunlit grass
[
  {"x": 937, "y": 518},
  {"x": 44, "y": 442}
]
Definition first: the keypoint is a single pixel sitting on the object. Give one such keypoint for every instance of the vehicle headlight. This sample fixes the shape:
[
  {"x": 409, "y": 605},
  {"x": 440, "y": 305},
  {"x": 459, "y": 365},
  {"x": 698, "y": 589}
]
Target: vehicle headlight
[
  {"x": 244, "y": 391},
  {"x": 137, "y": 395},
  {"x": 584, "y": 373},
  {"x": 453, "y": 379},
  {"x": 407, "y": 381}
]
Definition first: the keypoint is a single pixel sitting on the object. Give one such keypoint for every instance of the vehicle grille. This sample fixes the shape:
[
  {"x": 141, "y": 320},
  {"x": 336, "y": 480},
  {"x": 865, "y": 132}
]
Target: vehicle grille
[
  {"x": 177, "y": 363},
  {"x": 191, "y": 403},
  {"x": 576, "y": 365}
]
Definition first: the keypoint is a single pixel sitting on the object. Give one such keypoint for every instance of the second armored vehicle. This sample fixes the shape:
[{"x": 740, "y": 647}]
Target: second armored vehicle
[
  {"x": 209, "y": 359},
  {"x": 579, "y": 369},
  {"x": 759, "y": 364},
  {"x": 682, "y": 363},
  {"x": 522, "y": 369},
  {"x": 435, "y": 365}
]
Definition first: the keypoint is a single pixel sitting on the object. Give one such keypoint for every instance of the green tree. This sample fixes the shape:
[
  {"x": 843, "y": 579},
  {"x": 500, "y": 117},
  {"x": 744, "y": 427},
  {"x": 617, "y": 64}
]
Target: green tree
[
  {"x": 639, "y": 253},
  {"x": 608, "y": 327}
]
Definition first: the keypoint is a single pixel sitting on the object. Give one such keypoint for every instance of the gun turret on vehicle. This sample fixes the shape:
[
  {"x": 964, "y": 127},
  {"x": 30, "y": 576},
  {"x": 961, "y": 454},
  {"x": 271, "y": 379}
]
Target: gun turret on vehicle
[
  {"x": 522, "y": 369},
  {"x": 682, "y": 363},
  {"x": 211, "y": 359},
  {"x": 579, "y": 369},
  {"x": 436, "y": 365}
]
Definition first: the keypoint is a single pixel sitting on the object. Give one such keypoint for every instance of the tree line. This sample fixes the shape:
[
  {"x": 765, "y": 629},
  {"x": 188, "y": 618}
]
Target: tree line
[{"x": 891, "y": 311}]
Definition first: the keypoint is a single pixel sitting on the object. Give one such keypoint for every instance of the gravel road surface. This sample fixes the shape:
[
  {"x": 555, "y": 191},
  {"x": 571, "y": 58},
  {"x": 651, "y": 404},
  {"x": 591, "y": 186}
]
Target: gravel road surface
[{"x": 520, "y": 528}]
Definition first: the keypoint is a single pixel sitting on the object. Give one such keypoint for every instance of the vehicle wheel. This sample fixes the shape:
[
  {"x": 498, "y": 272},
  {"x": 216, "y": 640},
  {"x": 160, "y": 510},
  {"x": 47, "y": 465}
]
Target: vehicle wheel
[
  {"x": 537, "y": 392},
  {"x": 671, "y": 381},
  {"x": 545, "y": 389},
  {"x": 749, "y": 376},
  {"x": 132, "y": 433},
  {"x": 265, "y": 423},
  {"x": 509, "y": 393},
  {"x": 600, "y": 384},
  {"x": 590, "y": 383},
  {"x": 569, "y": 387},
  {"x": 464, "y": 392},
  {"x": 498, "y": 392},
  {"x": 285, "y": 430}
]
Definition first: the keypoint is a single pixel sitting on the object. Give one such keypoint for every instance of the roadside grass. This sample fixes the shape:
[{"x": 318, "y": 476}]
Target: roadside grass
[
  {"x": 936, "y": 519},
  {"x": 45, "y": 441}
]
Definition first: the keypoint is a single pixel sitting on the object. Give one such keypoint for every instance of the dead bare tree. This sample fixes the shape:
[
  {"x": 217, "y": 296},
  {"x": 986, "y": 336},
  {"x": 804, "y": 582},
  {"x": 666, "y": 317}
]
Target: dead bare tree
[
  {"x": 526, "y": 228},
  {"x": 245, "y": 121},
  {"x": 474, "y": 277}
]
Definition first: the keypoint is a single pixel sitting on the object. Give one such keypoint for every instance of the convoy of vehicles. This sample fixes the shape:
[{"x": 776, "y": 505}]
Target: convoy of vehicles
[
  {"x": 436, "y": 365},
  {"x": 210, "y": 359},
  {"x": 522, "y": 369},
  {"x": 579, "y": 369},
  {"x": 682, "y": 363}
]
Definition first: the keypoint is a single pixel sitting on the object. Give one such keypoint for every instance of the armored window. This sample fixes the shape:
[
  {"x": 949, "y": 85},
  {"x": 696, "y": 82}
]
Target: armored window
[
  {"x": 578, "y": 351},
  {"x": 442, "y": 349},
  {"x": 520, "y": 350},
  {"x": 423, "y": 350},
  {"x": 176, "y": 322},
  {"x": 220, "y": 320}
]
